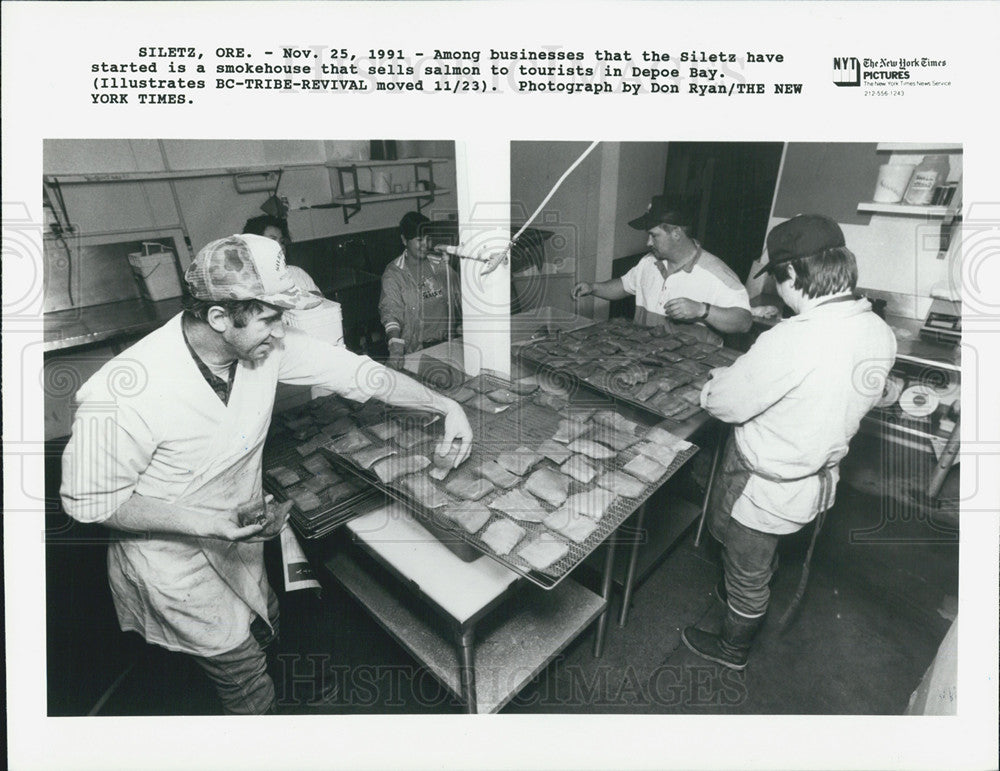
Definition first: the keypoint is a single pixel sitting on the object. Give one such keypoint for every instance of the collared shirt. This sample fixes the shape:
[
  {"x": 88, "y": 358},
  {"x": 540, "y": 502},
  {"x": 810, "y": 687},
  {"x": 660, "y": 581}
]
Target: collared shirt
[
  {"x": 221, "y": 387},
  {"x": 705, "y": 278},
  {"x": 797, "y": 398}
]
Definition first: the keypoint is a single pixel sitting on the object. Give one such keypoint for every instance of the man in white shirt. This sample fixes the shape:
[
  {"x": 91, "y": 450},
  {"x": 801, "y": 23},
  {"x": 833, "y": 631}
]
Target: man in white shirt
[
  {"x": 166, "y": 451},
  {"x": 796, "y": 399},
  {"x": 677, "y": 281}
]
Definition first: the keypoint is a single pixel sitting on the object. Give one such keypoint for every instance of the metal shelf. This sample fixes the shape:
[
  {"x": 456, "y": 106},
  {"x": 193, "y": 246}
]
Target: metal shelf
[
  {"x": 917, "y": 147},
  {"x": 355, "y": 200},
  {"x": 930, "y": 212}
]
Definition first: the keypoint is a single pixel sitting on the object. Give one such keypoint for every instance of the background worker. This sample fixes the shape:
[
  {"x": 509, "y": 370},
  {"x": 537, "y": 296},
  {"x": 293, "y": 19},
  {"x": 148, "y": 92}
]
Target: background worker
[
  {"x": 796, "y": 399},
  {"x": 276, "y": 229},
  {"x": 421, "y": 294},
  {"x": 170, "y": 459},
  {"x": 677, "y": 281}
]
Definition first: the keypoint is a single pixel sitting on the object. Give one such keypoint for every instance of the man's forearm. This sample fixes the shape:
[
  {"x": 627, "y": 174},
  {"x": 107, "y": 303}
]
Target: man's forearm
[
  {"x": 403, "y": 391},
  {"x": 141, "y": 514},
  {"x": 609, "y": 290},
  {"x": 729, "y": 320}
]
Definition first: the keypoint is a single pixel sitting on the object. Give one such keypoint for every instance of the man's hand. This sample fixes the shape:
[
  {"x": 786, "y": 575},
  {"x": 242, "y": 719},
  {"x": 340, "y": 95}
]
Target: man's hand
[
  {"x": 397, "y": 354},
  {"x": 456, "y": 427},
  {"x": 239, "y": 525},
  {"x": 684, "y": 309},
  {"x": 583, "y": 289},
  {"x": 276, "y": 517}
]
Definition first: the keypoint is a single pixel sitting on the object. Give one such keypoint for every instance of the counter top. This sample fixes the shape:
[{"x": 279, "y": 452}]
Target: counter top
[
  {"x": 74, "y": 327},
  {"x": 909, "y": 344}
]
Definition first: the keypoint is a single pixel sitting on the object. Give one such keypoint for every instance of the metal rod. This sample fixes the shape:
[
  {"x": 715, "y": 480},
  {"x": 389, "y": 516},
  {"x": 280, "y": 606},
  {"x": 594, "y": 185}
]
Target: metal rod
[
  {"x": 716, "y": 455},
  {"x": 633, "y": 561},
  {"x": 602, "y": 620},
  {"x": 466, "y": 669}
]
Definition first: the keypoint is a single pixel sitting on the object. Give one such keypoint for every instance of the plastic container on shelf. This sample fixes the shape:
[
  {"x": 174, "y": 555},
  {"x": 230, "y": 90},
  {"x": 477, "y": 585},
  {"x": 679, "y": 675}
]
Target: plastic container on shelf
[
  {"x": 931, "y": 172},
  {"x": 155, "y": 272},
  {"x": 893, "y": 179}
]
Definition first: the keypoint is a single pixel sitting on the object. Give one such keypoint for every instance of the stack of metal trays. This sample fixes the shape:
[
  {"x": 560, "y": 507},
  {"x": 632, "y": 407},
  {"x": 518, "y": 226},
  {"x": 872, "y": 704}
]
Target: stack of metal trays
[
  {"x": 295, "y": 469},
  {"x": 651, "y": 368},
  {"x": 545, "y": 485}
]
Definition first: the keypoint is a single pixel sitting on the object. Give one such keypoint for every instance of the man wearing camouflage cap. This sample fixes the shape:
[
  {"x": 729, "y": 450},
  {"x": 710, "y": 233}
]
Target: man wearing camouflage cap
[
  {"x": 173, "y": 460},
  {"x": 796, "y": 398}
]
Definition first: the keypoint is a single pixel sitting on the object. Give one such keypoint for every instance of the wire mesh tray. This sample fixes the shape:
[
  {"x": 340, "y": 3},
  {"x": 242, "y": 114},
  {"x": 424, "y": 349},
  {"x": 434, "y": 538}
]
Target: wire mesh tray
[
  {"x": 526, "y": 424},
  {"x": 619, "y": 360}
]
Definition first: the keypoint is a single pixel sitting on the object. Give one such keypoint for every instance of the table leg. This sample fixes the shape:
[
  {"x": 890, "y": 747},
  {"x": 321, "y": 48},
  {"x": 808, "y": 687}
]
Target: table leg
[
  {"x": 602, "y": 620},
  {"x": 466, "y": 668},
  {"x": 633, "y": 560},
  {"x": 716, "y": 456}
]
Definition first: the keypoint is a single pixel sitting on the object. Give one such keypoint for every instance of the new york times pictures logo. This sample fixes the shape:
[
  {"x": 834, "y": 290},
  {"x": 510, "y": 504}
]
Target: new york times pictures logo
[{"x": 846, "y": 71}]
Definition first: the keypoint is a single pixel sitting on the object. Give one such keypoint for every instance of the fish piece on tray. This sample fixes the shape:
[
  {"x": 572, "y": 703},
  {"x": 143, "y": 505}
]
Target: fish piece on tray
[
  {"x": 620, "y": 483},
  {"x": 464, "y": 485},
  {"x": 591, "y": 449},
  {"x": 320, "y": 482},
  {"x": 574, "y": 526},
  {"x": 366, "y": 457},
  {"x": 591, "y": 503},
  {"x": 411, "y": 437},
  {"x": 502, "y": 536},
  {"x": 283, "y": 476},
  {"x": 551, "y": 486},
  {"x": 661, "y": 435},
  {"x": 502, "y": 396},
  {"x": 342, "y": 491},
  {"x": 483, "y": 403},
  {"x": 470, "y": 516},
  {"x": 316, "y": 464},
  {"x": 480, "y": 384},
  {"x": 516, "y": 504},
  {"x": 554, "y": 451},
  {"x": 525, "y": 386},
  {"x": 644, "y": 468},
  {"x": 305, "y": 500},
  {"x": 425, "y": 492},
  {"x": 552, "y": 401},
  {"x": 689, "y": 394},
  {"x": 612, "y": 419},
  {"x": 385, "y": 430},
  {"x": 338, "y": 427},
  {"x": 395, "y": 466},
  {"x": 580, "y": 469},
  {"x": 497, "y": 474},
  {"x": 520, "y": 461},
  {"x": 569, "y": 430},
  {"x": 349, "y": 442},
  {"x": 616, "y": 440},
  {"x": 647, "y": 390},
  {"x": 660, "y": 453},
  {"x": 544, "y": 551},
  {"x": 310, "y": 446}
]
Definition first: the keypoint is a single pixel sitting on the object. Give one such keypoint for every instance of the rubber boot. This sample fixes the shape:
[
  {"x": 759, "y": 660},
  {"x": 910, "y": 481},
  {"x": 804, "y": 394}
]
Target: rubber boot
[{"x": 731, "y": 646}]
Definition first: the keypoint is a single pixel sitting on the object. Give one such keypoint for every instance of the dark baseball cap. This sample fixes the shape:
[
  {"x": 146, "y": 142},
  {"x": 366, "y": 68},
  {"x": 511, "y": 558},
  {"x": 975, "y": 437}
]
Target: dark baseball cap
[
  {"x": 801, "y": 236},
  {"x": 662, "y": 211}
]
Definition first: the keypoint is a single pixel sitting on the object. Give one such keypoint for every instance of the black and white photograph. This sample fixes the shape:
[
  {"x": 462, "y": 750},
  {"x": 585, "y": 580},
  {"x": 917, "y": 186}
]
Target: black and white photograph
[{"x": 474, "y": 423}]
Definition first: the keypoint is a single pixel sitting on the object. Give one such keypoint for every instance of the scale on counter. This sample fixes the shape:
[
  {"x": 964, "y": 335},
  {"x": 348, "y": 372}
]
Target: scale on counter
[{"x": 944, "y": 322}]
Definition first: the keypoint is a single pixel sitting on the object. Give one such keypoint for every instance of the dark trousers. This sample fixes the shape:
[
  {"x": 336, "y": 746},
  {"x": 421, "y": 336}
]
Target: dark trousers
[
  {"x": 749, "y": 557},
  {"x": 240, "y": 675}
]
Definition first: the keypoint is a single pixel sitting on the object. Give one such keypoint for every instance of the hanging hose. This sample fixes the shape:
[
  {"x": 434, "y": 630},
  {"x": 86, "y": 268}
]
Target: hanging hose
[{"x": 498, "y": 258}]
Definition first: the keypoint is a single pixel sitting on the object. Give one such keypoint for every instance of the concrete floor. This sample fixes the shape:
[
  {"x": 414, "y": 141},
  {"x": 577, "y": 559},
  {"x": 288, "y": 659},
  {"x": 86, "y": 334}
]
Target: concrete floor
[{"x": 880, "y": 598}]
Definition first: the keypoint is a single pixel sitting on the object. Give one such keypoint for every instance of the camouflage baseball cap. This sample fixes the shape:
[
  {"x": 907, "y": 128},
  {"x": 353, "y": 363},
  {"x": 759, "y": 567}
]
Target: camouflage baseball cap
[{"x": 245, "y": 267}]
